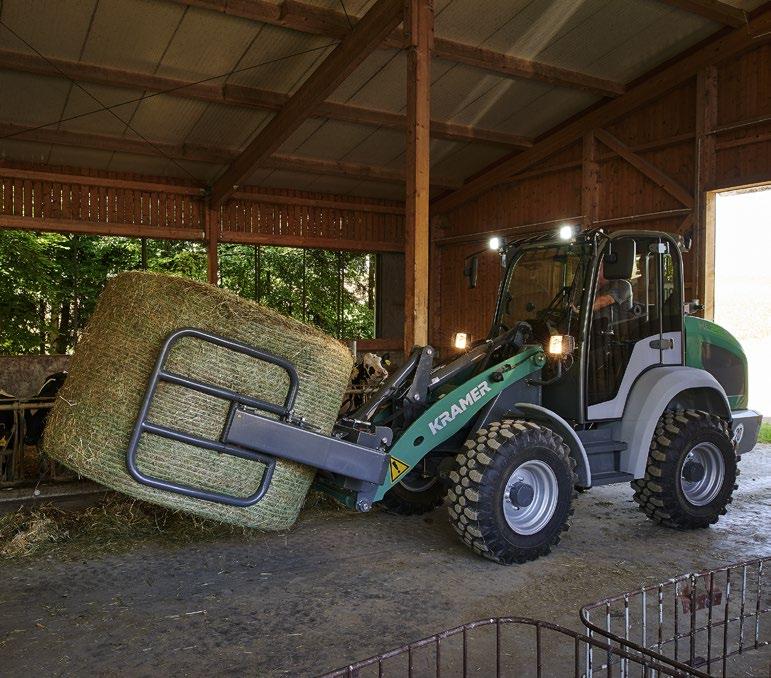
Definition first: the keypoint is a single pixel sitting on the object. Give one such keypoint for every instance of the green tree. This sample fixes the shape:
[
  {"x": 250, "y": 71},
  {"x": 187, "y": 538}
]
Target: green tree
[{"x": 49, "y": 283}]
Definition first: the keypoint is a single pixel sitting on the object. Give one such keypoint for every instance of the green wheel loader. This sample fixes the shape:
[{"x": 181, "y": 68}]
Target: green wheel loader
[{"x": 594, "y": 372}]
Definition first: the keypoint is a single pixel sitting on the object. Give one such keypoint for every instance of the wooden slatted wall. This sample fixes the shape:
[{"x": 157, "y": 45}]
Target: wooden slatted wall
[
  {"x": 71, "y": 200},
  {"x": 664, "y": 133}
]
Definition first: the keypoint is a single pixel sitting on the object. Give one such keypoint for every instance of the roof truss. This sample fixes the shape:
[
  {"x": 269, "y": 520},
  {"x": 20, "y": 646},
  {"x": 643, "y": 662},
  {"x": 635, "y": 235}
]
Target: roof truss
[
  {"x": 245, "y": 97},
  {"x": 330, "y": 23},
  {"x": 662, "y": 80},
  {"x": 379, "y": 21}
]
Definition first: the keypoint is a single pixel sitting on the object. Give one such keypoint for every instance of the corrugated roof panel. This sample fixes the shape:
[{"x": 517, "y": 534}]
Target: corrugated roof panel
[
  {"x": 227, "y": 126},
  {"x": 582, "y": 42},
  {"x": 374, "y": 189},
  {"x": 207, "y": 43},
  {"x": 80, "y": 104},
  {"x": 332, "y": 139},
  {"x": 473, "y": 22},
  {"x": 131, "y": 34},
  {"x": 468, "y": 96},
  {"x": 14, "y": 149},
  {"x": 80, "y": 157},
  {"x": 551, "y": 108},
  {"x": 293, "y": 180},
  {"x": 386, "y": 89},
  {"x": 165, "y": 118},
  {"x": 279, "y": 59},
  {"x": 661, "y": 40},
  {"x": 56, "y": 28},
  {"x": 466, "y": 159},
  {"x": 304, "y": 132},
  {"x": 31, "y": 100},
  {"x": 366, "y": 71},
  {"x": 144, "y": 164},
  {"x": 379, "y": 148}
]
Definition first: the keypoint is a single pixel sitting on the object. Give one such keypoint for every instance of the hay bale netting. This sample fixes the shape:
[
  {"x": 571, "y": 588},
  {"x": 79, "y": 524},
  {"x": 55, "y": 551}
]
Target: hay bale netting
[{"x": 91, "y": 423}]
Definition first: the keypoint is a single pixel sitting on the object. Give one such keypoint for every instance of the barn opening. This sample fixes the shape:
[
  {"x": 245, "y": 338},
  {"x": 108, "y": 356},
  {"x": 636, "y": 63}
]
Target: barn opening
[{"x": 743, "y": 279}]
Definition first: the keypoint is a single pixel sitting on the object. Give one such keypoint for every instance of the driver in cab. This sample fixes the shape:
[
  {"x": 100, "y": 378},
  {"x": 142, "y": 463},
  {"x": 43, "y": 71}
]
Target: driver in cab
[{"x": 612, "y": 296}]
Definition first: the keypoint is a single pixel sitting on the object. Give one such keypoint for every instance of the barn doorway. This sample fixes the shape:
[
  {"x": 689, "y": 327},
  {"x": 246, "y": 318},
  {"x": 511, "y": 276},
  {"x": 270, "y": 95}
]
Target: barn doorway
[{"x": 742, "y": 299}]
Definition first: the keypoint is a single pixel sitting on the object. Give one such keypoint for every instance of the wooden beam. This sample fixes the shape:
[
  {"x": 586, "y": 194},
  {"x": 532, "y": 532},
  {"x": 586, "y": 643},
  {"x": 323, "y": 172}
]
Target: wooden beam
[
  {"x": 506, "y": 65},
  {"x": 653, "y": 173},
  {"x": 60, "y": 177},
  {"x": 246, "y": 238},
  {"x": 294, "y": 163},
  {"x": 243, "y": 96},
  {"x": 210, "y": 154},
  {"x": 419, "y": 22},
  {"x": 719, "y": 12},
  {"x": 212, "y": 227},
  {"x": 330, "y": 23},
  {"x": 99, "y": 228},
  {"x": 590, "y": 181},
  {"x": 379, "y": 21},
  {"x": 329, "y": 203},
  {"x": 649, "y": 88},
  {"x": 703, "y": 217}
]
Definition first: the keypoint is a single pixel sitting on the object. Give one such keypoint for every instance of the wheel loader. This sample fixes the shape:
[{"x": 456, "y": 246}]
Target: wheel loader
[{"x": 594, "y": 372}]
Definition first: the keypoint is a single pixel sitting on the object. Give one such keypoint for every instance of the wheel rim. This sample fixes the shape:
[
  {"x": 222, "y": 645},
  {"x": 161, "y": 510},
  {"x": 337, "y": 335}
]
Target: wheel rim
[
  {"x": 702, "y": 474},
  {"x": 530, "y": 497}
]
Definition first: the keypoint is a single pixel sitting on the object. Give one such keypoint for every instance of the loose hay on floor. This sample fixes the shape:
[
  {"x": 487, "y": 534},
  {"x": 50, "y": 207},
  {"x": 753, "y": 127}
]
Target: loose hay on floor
[
  {"x": 91, "y": 423},
  {"x": 111, "y": 525}
]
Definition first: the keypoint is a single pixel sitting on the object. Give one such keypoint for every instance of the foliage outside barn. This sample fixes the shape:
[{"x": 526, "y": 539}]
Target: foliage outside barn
[{"x": 49, "y": 283}]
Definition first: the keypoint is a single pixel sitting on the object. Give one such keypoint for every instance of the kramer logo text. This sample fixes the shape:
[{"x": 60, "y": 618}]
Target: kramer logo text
[{"x": 466, "y": 401}]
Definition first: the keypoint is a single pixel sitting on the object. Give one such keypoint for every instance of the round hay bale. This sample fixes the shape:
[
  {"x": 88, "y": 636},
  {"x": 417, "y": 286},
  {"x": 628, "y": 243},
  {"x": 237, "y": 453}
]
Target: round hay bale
[{"x": 91, "y": 423}]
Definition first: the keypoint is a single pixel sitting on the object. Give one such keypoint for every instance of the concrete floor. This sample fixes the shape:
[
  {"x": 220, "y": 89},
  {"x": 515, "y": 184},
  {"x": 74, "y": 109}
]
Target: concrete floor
[{"x": 340, "y": 587}]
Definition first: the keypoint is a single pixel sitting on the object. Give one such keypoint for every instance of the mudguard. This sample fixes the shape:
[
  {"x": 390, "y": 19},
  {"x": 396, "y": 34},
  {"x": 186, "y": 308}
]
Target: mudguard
[
  {"x": 649, "y": 397},
  {"x": 568, "y": 434}
]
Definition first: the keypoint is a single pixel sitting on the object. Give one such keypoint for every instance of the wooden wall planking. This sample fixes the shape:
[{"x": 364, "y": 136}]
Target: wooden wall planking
[
  {"x": 66, "y": 199},
  {"x": 663, "y": 132}
]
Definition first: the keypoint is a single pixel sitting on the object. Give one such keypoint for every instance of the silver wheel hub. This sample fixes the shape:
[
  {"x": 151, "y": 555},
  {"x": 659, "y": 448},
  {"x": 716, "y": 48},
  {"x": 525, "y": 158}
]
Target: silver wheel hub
[
  {"x": 530, "y": 497},
  {"x": 702, "y": 474}
]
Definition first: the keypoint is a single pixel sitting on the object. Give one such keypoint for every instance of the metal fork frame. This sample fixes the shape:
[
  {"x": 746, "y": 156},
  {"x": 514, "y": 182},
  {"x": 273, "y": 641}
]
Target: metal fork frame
[{"x": 144, "y": 426}]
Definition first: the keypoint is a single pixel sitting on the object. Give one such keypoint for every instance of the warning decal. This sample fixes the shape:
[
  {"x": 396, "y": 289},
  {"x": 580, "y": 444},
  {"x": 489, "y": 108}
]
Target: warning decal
[{"x": 398, "y": 467}]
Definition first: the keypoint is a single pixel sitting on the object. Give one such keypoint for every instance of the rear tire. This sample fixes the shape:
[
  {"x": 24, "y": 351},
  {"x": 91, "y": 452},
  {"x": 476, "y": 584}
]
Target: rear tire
[
  {"x": 512, "y": 493},
  {"x": 691, "y": 472},
  {"x": 415, "y": 495}
]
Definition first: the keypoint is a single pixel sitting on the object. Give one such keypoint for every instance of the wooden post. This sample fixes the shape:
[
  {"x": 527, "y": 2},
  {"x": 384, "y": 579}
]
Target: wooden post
[
  {"x": 590, "y": 187},
  {"x": 211, "y": 228},
  {"x": 419, "y": 25},
  {"x": 706, "y": 173}
]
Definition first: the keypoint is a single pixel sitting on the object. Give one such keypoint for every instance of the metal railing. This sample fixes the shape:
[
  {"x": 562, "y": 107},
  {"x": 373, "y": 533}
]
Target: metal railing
[
  {"x": 504, "y": 646},
  {"x": 694, "y": 623},
  {"x": 15, "y": 453}
]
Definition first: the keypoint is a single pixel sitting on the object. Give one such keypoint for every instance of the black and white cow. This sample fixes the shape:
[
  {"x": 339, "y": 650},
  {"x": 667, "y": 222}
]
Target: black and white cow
[
  {"x": 368, "y": 373},
  {"x": 35, "y": 420},
  {"x": 7, "y": 434}
]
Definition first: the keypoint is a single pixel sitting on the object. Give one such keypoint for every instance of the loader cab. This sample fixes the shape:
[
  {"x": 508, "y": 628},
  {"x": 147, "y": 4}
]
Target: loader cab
[{"x": 619, "y": 298}]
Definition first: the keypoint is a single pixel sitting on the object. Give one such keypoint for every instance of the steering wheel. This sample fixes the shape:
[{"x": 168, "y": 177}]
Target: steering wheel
[{"x": 552, "y": 313}]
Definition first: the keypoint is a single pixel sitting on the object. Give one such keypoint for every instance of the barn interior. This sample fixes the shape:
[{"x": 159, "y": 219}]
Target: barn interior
[{"x": 412, "y": 133}]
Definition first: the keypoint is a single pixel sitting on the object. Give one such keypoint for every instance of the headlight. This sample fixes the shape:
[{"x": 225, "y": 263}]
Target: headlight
[
  {"x": 461, "y": 340},
  {"x": 561, "y": 344}
]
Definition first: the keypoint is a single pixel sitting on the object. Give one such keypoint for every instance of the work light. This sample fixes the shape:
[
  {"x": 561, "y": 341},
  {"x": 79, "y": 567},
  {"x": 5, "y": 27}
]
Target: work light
[
  {"x": 561, "y": 344},
  {"x": 461, "y": 340}
]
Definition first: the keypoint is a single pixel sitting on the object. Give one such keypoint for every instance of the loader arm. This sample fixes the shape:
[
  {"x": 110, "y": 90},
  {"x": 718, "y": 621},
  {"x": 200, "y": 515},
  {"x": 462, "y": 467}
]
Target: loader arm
[{"x": 456, "y": 410}]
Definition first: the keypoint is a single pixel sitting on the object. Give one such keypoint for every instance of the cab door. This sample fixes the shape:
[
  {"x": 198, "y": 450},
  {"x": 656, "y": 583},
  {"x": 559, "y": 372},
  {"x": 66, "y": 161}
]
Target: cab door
[{"x": 641, "y": 330}]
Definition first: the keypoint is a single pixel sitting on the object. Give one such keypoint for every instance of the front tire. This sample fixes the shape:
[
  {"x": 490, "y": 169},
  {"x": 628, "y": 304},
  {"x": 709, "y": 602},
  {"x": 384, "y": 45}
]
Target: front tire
[
  {"x": 512, "y": 493},
  {"x": 691, "y": 472}
]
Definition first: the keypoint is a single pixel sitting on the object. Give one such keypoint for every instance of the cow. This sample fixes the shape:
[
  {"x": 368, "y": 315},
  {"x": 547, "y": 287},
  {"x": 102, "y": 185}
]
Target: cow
[
  {"x": 7, "y": 434},
  {"x": 368, "y": 374},
  {"x": 35, "y": 420}
]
